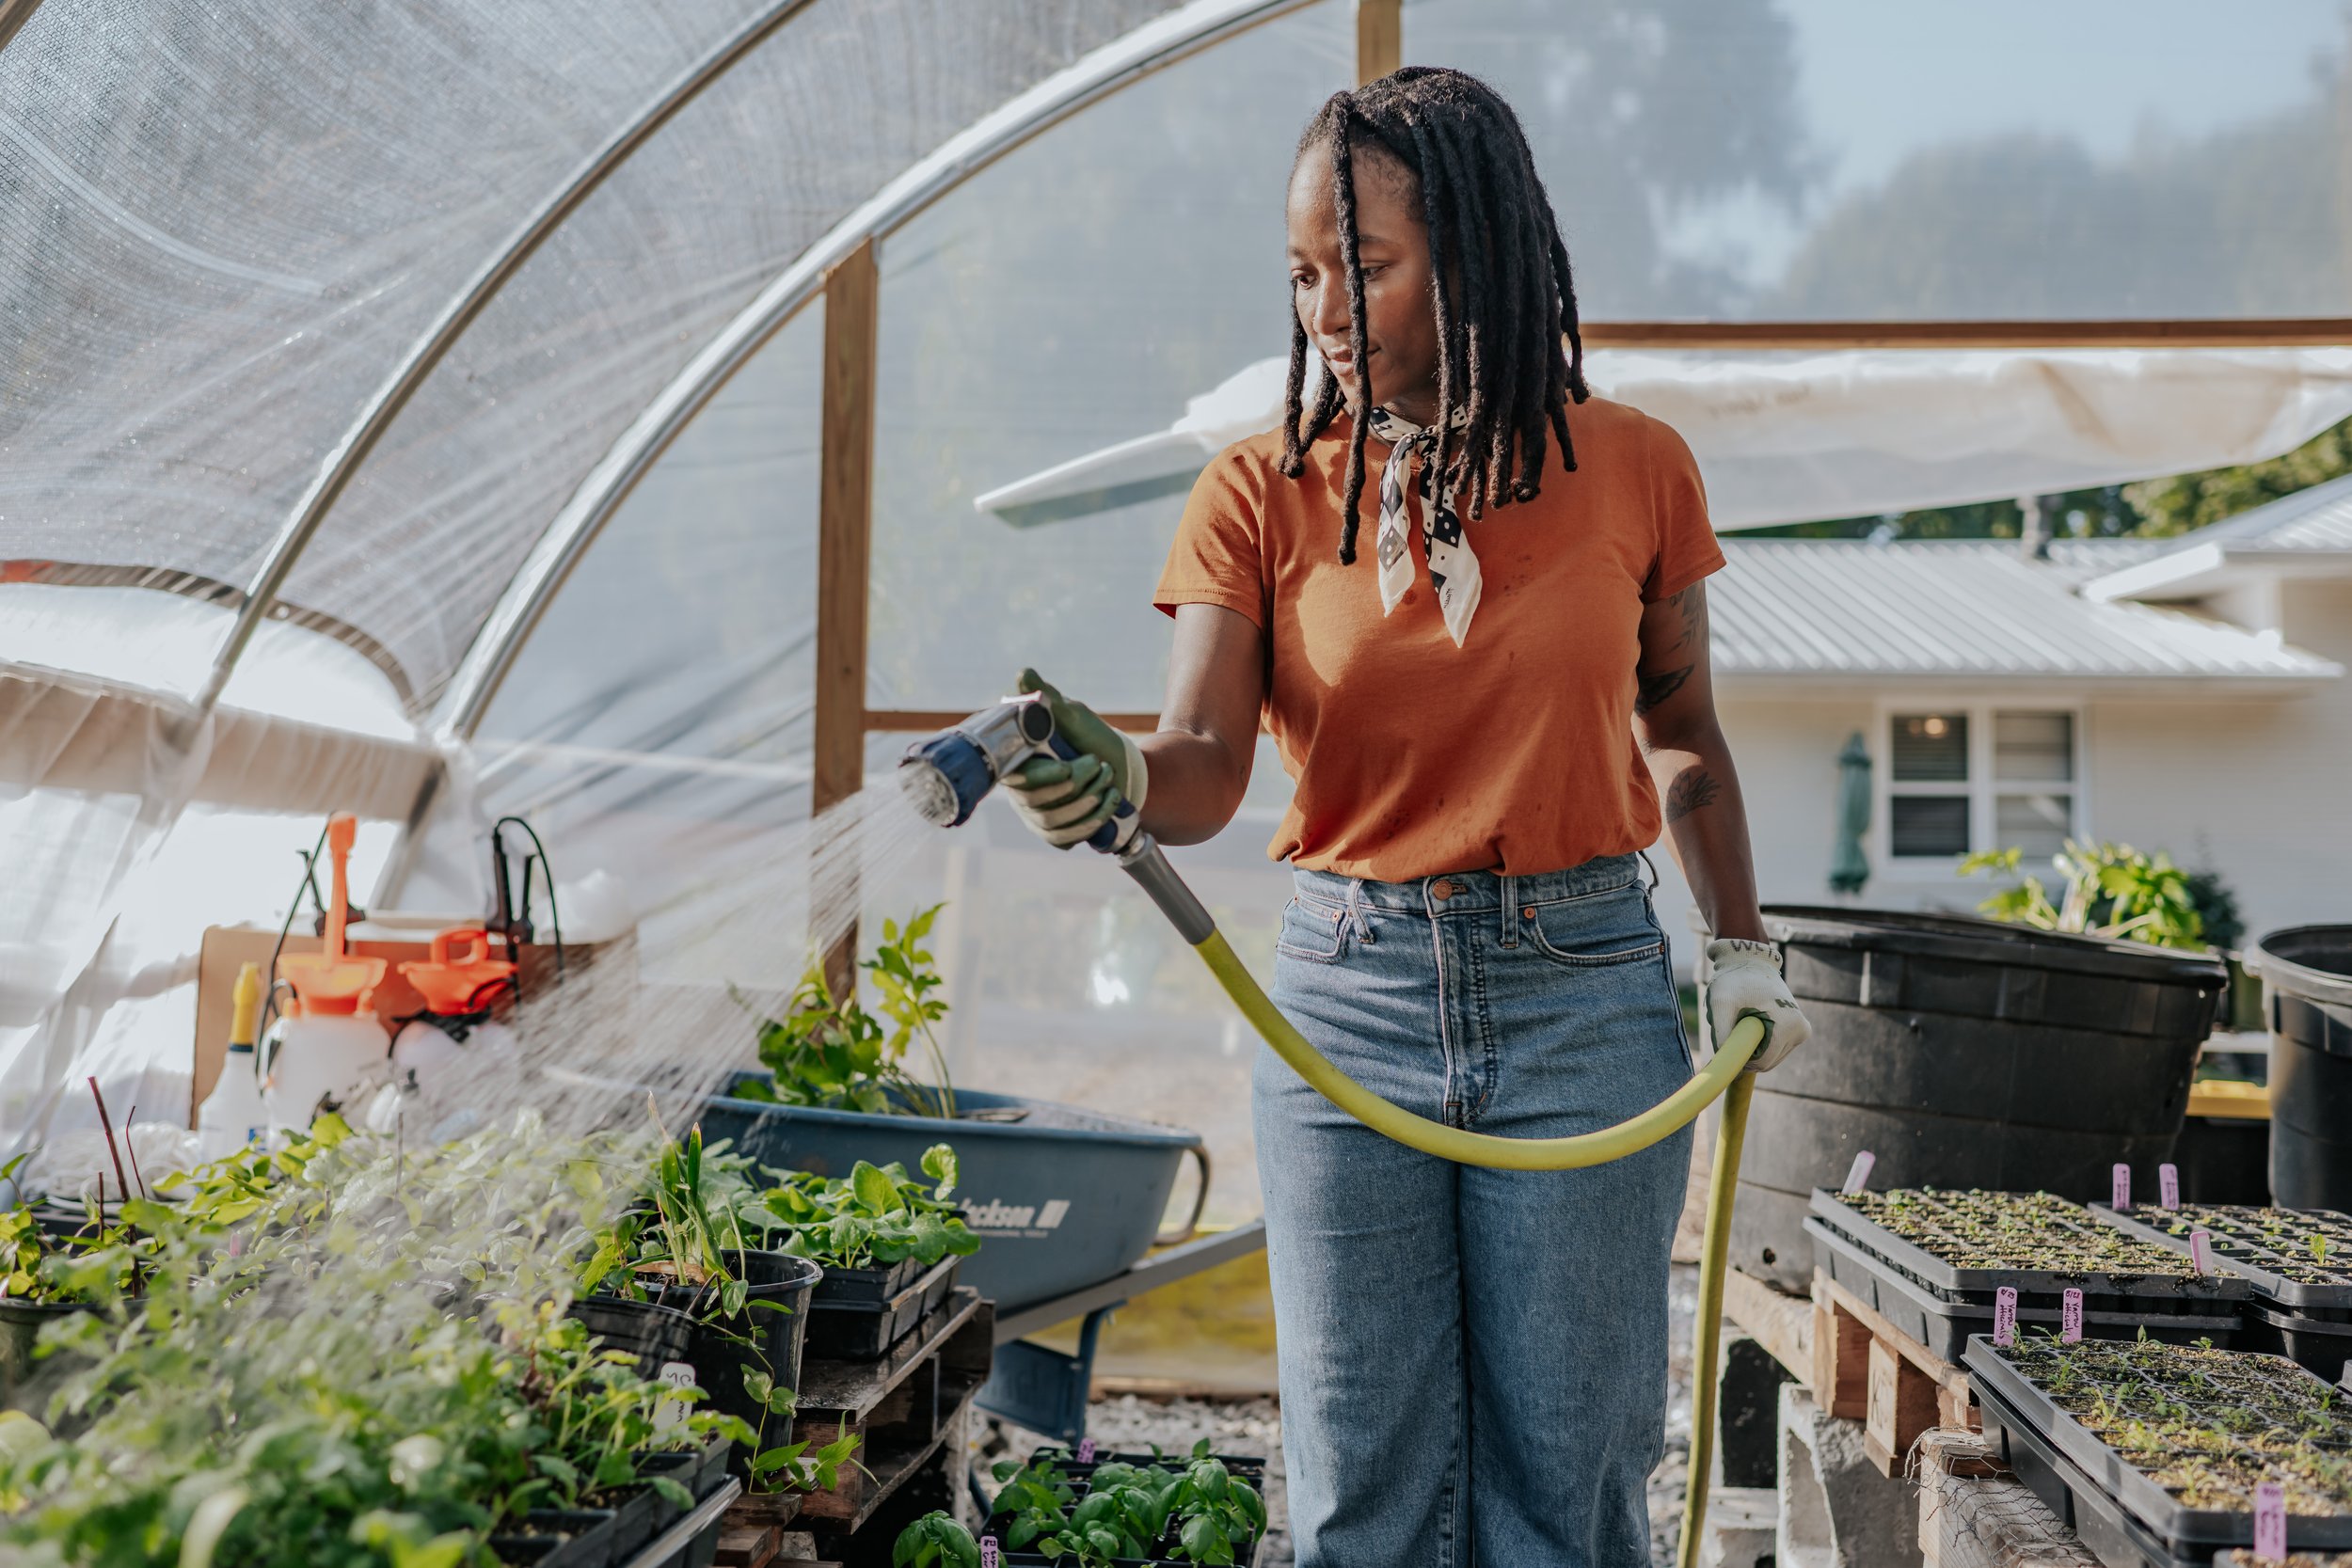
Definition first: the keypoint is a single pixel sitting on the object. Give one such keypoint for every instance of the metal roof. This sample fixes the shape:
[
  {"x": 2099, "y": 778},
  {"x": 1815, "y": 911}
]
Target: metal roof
[
  {"x": 1974, "y": 610},
  {"x": 2319, "y": 518},
  {"x": 2307, "y": 533}
]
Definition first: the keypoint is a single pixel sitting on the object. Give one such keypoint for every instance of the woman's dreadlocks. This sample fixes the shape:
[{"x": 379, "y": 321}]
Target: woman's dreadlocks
[{"x": 1503, "y": 297}]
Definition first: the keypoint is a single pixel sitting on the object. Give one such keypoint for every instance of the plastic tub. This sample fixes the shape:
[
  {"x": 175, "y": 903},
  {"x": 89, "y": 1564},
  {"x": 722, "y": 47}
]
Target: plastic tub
[
  {"x": 1964, "y": 1053},
  {"x": 2306, "y": 973},
  {"x": 1061, "y": 1197}
]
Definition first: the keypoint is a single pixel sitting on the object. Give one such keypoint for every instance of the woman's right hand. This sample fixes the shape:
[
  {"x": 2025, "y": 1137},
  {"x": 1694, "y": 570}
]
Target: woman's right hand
[{"x": 1066, "y": 802}]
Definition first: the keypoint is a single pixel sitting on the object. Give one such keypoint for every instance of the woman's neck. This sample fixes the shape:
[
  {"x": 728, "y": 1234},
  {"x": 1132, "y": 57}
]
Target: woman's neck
[{"x": 1418, "y": 406}]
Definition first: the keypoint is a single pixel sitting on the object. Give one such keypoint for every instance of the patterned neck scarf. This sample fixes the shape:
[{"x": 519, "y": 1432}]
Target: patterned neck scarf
[{"x": 1453, "y": 569}]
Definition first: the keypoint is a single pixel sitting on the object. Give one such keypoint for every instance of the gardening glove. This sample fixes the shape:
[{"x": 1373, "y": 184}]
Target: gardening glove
[
  {"x": 1746, "y": 979},
  {"x": 1064, "y": 803}
]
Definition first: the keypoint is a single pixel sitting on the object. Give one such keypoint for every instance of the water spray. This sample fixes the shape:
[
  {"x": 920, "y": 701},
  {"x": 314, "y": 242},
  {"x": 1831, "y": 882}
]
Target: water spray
[{"x": 947, "y": 776}]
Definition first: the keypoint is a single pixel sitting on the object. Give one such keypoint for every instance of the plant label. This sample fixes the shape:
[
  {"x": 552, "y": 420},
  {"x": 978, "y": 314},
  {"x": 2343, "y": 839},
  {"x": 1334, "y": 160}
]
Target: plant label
[
  {"x": 2123, "y": 1188},
  {"x": 2071, "y": 1316},
  {"x": 989, "y": 1556},
  {"x": 1858, "y": 1174},
  {"x": 2005, "y": 1316},
  {"x": 1086, "y": 1451},
  {"x": 2169, "y": 1185},
  {"x": 2201, "y": 1251},
  {"x": 671, "y": 1411},
  {"x": 2270, "y": 1522}
]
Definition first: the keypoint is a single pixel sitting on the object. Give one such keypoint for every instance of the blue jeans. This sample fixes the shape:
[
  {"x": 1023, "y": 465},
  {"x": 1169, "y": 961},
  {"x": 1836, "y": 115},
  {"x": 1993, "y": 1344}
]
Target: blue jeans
[{"x": 1473, "y": 1362}]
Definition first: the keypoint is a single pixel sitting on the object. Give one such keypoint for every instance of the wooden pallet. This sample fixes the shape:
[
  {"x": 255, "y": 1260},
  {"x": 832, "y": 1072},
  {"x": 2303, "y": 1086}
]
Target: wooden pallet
[
  {"x": 1973, "y": 1514},
  {"x": 903, "y": 1408},
  {"x": 1866, "y": 1369}
]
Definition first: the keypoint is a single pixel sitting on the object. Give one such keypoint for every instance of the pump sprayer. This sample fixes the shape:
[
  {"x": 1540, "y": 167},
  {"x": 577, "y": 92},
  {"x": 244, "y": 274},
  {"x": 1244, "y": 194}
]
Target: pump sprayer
[{"x": 947, "y": 776}]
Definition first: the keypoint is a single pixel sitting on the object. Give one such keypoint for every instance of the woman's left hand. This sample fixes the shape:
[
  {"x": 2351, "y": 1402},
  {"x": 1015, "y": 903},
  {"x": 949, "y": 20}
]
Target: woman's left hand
[{"x": 1746, "y": 978}]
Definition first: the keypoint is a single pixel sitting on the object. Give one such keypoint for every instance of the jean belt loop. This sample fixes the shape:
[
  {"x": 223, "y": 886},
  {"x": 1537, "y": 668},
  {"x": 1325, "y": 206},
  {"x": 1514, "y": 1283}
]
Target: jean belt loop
[
  {"x": 1508, "y": 912},
  {"x": 1356, "y": 909}
]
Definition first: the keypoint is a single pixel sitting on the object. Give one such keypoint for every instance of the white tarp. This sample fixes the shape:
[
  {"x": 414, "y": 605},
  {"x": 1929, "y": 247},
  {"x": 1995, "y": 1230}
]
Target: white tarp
[{"x": 1791, "y": 437}]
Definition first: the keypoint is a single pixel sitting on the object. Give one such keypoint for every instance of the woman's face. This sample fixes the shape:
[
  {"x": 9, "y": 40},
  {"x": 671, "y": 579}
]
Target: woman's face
[{"x": 1393, "y": 245}]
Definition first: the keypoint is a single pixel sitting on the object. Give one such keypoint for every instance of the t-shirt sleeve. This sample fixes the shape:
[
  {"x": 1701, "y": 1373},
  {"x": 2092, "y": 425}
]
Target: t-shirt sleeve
[
  {"x": 1217, "y": 558},
  {"x": 1687, "y": 549}
]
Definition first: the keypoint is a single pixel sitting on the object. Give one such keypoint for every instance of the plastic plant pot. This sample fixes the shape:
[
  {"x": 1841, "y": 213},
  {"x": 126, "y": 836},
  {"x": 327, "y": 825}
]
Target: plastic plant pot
[
  {"x": 654, "y": 1333},
  {"x": 766, "y": 1337},
  {"x": 1964, "y": 1053},
  {"x": 868, "y": 1331},
  {"x": 866, "y": 1287},
  {"x": 559, "y": 1538},
  {"x": 636, "y": 1510},
  {"x": 2306, "y": 985},
  {"x": 21, "y": 1323}
]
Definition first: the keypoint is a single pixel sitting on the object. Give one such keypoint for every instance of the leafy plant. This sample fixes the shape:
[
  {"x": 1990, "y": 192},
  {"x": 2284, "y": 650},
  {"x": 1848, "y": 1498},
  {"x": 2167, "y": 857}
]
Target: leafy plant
[
  {"x": 830, "y": 1053},
  {"x": 1128, "y": 1511},
  {"x": 935, "y": 1540},
  {"x": 875, "y": 1215},
  {"x": 2110, "y": 890}
]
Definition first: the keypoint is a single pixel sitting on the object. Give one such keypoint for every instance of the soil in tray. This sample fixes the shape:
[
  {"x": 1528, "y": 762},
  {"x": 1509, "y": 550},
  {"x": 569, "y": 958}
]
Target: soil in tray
[
  {"x": 2302, "y": 1257},
  {"x": 1981, "y": 1241},
  {"x": 2205, "y": 1426}
]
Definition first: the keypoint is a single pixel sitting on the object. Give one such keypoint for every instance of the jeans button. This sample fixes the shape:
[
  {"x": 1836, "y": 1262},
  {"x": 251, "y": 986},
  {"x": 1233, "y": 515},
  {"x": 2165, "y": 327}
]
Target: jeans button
[{"x": 1441, "y": 889}]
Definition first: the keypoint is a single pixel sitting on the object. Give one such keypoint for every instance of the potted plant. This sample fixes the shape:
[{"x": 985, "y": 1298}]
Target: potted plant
[{"x": 888, "y": 1243}]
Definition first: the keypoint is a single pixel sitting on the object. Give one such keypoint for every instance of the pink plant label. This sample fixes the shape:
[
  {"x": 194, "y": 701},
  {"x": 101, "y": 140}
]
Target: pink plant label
[
  {"x": 1086, "y": 1451},
  {"x": 2005, "y": 1316},
  {"x": 2201, "y": 1251},
  {"x": 1858, "y": 1174},
  {"x": 2169, "y": 1185},
  {"x": 2071, "y": 1316},
  {"x": 988, "y": 1555},
  {"x": 2123, "y": 1187},
  {"x": 2270, "y": 1522}
]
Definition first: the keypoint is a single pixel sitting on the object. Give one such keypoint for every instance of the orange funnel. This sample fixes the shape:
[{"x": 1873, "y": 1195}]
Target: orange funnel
[
  {"x": 464, "y": 983},
  {"x": 333, "y": 980}
]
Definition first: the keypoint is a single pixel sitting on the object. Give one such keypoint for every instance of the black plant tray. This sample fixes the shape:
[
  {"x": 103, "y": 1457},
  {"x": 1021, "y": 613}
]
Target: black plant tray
[
  {"x": 1248, "y": 1467},
  {"x": 2175, "y": 1526},
  {"x": 1944, "y": 1324},
  {"x": 866, "y": 1331},
  {"x": 2106, "y": 1529},
  {"x": 2318, "y": 1346},
  {"x": 560, "y": 1537},
  {"x": 867, "y": 1287},
  {"x": 1951, "y": 1280},
  {"x": 2241, "y": 1247}
]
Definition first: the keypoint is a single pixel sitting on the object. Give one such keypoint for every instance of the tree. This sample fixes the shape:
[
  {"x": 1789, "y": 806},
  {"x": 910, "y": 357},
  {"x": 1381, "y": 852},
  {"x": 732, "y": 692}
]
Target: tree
[{"x": 2184, "y": 502}]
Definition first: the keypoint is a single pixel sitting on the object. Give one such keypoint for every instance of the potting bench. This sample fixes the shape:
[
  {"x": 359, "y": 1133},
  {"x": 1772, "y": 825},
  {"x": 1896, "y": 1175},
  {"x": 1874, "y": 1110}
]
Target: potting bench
[{"x": 1040, "y": 1389}]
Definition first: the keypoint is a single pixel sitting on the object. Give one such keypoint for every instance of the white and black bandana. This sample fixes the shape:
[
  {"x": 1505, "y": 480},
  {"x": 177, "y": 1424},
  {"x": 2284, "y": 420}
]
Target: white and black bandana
[{"x": 1453, "y": 569}]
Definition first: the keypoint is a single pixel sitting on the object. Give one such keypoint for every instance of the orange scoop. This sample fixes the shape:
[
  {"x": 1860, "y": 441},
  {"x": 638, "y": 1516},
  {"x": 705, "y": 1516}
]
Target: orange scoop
[
  {"x": 465, "y": 984},
  {"x": 334, "y": 980}
]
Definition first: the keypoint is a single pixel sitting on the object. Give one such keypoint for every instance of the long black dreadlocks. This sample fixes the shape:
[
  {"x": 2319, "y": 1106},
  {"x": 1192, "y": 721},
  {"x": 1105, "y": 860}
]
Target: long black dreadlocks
[{"x": 1503, "y": 295}]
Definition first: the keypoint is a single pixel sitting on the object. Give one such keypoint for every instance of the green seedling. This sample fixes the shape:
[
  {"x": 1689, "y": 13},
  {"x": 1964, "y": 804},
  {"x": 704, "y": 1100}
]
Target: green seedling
[
  {"x": 831, "y": 1053},
  {"x": 935, "y": 1540},
  {"x": 874, "y": 1215}
]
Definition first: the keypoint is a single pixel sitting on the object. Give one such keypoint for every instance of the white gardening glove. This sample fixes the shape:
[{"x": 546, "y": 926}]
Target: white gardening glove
[
  {"x": 1746, "y": 979},
  {"x": 1064, "y": 803}
]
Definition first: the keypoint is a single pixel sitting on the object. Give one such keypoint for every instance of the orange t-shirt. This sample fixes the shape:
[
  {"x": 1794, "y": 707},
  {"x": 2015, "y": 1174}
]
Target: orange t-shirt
[{"x": 1513, "y": 752}]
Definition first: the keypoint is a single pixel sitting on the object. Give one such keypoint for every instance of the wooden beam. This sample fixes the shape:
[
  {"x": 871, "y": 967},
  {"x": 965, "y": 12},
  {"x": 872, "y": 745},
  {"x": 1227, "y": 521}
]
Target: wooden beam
[
  {"x": 845, "y": 532},
  {"x": 2231, "y": 332},
  {"x": 1782, "y": 1325},
  {"x": 1379, "y": 38}
]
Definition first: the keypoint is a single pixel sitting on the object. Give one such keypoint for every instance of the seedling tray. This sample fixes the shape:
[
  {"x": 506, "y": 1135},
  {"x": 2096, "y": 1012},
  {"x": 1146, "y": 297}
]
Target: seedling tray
[
  {"x": 2321, "y": 1347},
  {"x": 1244, "y": 1556},
  {"x": 560, "y": 1537},
  {"x": 2278, "y": 1266},
  {"x": 2069, "y": 1249},
  {"x": 1944, "y": 1324},
  {"x": 866, "y": 1331},
  {"x": 867, "y": 1287},
  {"x": 1080, "y": 1476},
  {"x": 2175, "y": 1525},
  {"x": 2106, "y": 1529}
]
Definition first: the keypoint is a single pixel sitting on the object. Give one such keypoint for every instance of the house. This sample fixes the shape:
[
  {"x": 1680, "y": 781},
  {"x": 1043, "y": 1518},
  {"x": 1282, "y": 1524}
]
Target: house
[{"x": 2186, "y": 694}]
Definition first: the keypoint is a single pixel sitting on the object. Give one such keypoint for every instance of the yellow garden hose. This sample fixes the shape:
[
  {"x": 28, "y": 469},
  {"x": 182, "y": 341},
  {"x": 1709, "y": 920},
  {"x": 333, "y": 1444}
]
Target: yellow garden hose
[{"x": 1722, "y": 1076}]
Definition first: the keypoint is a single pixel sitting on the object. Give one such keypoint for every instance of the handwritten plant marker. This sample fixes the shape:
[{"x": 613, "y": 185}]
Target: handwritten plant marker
[
  {"x": 1086, "y": 1451},
  {"x": 672, "y": 1410},
  {"x": 988, "y": 1554},
  {"x": 1858, "y": 1175},
  {"x": 2005, "y": 1316},
  {"x": 2270, "y": 1522},
  {"x": 2201, "y": 1251},
  {"x": 2070, "y": 1316},
  {"x": 2123, "y": 1188},
  {"x": 2169, "y": 1185}
]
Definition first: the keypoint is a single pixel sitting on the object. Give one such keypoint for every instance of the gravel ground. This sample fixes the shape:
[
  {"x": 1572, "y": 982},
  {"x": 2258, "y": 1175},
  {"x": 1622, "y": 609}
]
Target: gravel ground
[{"x": 1129, "y": 1421}]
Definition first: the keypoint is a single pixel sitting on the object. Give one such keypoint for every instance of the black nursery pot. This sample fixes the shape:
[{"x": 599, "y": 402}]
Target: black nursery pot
[
  {"x": 1964, "y": 1053},
  {"x": 760, "y": 1338},
  {"x": 2307, "y": 986},
  {"x": 21, "y": 1323},
  {"x": 560, "y": 1537},
  {"x": 653, "y": 1333}
]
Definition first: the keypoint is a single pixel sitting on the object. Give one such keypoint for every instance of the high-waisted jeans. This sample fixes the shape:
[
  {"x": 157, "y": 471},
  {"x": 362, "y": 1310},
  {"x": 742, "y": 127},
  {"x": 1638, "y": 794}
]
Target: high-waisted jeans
[{"x": 1473, "y": 1362}]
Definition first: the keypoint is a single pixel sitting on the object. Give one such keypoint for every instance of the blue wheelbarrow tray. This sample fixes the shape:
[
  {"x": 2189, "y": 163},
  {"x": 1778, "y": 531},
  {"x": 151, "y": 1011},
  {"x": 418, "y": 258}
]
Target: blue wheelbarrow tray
[{"x": 1060, "y": 1196}]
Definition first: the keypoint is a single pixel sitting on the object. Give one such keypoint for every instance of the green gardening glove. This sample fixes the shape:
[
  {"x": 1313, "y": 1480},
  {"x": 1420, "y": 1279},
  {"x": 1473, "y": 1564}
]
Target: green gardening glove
[{"x": 1064, "y": 803}]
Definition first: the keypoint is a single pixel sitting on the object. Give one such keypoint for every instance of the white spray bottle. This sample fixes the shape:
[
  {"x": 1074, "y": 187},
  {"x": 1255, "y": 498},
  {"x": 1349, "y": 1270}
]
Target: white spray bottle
[
  {"x": 332, "y": 1046},
  {"x": 232, "y": 1115}
]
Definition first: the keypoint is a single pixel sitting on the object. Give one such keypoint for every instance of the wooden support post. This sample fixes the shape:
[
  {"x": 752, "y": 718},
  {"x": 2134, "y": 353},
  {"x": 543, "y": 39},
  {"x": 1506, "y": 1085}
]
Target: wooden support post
[
  {"x": 1842, "y": 1350},
  {"x": 845, "y": 532},
  {"x": 1379, "y": 38},
  {"x": 1903, "y": 1405}
]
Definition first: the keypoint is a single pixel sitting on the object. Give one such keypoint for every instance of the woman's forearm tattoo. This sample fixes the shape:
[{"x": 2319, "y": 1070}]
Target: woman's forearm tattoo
[{"x": 1693, "y": 789}]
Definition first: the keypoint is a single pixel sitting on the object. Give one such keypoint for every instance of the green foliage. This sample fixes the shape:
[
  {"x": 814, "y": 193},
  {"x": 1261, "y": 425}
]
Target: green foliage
[
  {"x": 2186, "y": 502},
  {"x": 2110, "y": 890},
  {"x": 935, "y": 1540},
  {"x": 1127, "y": 1511},
  {"x": 830, "y": 1053},
  {"x": 875, "y": 1215}
]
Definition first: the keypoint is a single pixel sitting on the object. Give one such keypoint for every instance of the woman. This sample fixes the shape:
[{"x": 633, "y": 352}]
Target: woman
[{"x": 1480, "y": 722}]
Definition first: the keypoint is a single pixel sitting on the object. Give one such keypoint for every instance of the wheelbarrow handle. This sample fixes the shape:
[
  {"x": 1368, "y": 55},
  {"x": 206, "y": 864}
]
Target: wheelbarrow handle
[{"x": 1191, "y": 1227}]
